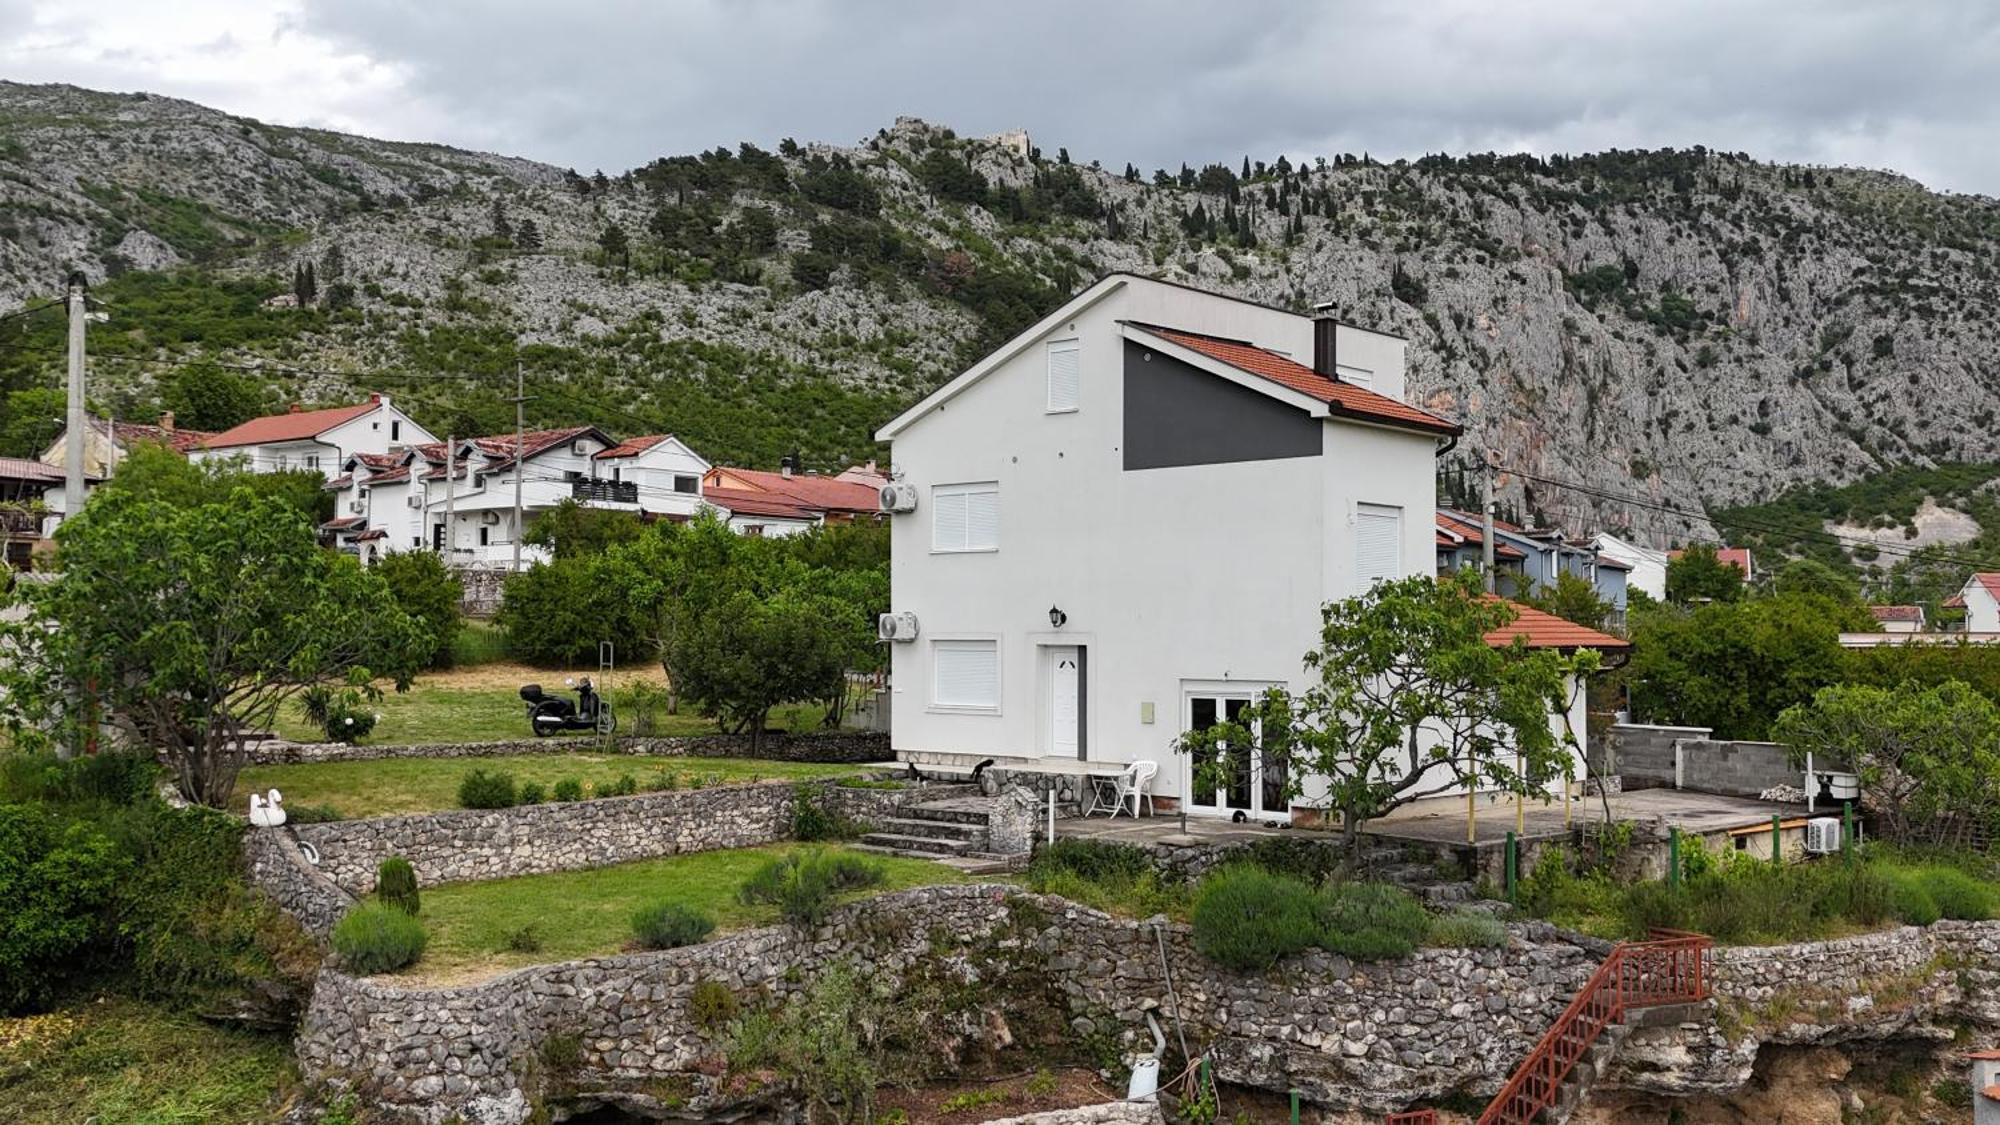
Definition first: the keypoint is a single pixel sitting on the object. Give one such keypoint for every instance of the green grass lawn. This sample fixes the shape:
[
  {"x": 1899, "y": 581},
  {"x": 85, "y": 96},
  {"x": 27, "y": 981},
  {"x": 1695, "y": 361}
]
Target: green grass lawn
[
  {"x": 459, "y": 707},
  {"x": 122, "y": 1062},
  {"x": 411, "y": 785},
  {"x": 589, "y": 913}
]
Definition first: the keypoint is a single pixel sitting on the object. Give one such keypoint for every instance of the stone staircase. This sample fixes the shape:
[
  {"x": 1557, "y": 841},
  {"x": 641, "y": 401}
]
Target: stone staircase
[
  {"x": 1592, "y": 1065},
  {"x": 951, "y": 829}
]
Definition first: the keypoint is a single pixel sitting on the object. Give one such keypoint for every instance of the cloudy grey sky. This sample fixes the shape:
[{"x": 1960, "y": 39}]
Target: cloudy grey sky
[{"x": 1911, "y": 85}]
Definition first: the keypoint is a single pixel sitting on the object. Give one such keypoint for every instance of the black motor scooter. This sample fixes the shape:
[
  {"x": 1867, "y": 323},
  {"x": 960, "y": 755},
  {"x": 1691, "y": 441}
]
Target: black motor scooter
[{"x": 548, "y": 714}]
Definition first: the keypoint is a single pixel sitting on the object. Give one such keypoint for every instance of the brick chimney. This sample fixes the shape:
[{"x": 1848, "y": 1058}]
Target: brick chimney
[{"x": 167, "y": 420}]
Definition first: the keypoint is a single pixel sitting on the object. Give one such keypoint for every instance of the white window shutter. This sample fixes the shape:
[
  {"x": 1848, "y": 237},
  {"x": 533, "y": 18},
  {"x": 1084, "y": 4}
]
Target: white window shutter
[
  {"x": 1378, "y": 544},
  {"x": 966, "y": 673},
  {"x": 1065, "y": 375},
  {"x": 947, "y": 520},
  {"x": 982, "y": 520}
]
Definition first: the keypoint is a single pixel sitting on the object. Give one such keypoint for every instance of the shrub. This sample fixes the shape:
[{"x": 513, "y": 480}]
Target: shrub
[
  {"x": 426, "y": 589},
  {"x": 625, "y": 786},
  {"x": 568, "y": 789},
  {"x": 813, "y": 820},
  {"x": 1912, "y": 900},
  {"x": 311, "y": 814},
  {"x": 484, "y": 789},
  {"x": 56, "y": 879},
  {"x": 712, "y": 1005},
  {"x": 670, "y": 925},
  {"x": 396, "y": 884},
  {"x": 802, "y": 885},
  {"x": 1248, "y": 919},
  {"x": 374, "y": 938},
  {"x": 524, "y": 939},
  {"x": 350, "y": 719},
  {"x": 1958, "y": 895},
  {"x": 1096, "y": 860},
  {"x": 1467, "y": 929},
  {"x": 1369, "y": 921},
  {"x": 532, "y": 793}
]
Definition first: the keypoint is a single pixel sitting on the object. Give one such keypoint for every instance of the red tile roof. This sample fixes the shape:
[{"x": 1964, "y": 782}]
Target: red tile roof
[
  {"x": 824, "y": 493},
  {"x": 28, "y": 469},
  {"x": 744, "y": 503},
  {"x": 1956, "y": 601},
  {"x": 1345, "y": 399},
  {"x": 1546, "y": 630},
  {"x": 1988, "y": 581},
  {"x": 298, "y": 425},
  {"x": 1737, "y": 556},
  {"x": 632, "y": 447},
  {"x": 343, "y": 523},
  {"x": 1887, "y": 613},
  {"x": 532, "y": 443},
  {"x": 1472, "y": 535},
  {"x": 180, "y": 441}
]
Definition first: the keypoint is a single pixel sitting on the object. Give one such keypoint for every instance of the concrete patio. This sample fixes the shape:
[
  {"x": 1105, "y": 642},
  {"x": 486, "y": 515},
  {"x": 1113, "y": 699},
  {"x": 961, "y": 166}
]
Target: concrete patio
[{"x": 1442, "y": 820}]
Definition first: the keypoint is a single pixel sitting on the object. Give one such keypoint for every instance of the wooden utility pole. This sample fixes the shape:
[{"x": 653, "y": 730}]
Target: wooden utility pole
[
  {"x": 75, "y": 443},
  {"x": 520, "y": 448}
]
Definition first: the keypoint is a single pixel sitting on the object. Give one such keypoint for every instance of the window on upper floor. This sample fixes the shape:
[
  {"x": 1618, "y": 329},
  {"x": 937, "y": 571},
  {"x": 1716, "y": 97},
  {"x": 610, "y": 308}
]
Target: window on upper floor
[
  {"x": 965, "y": 517},
  {"x": 395, "y": 430},
  {"x": 1378, "y": 544},
  {"x": 312, "y": 460},
  {"x": 965, "y": 673},
  {"x": 1065, "y": 375},
  {"x": 687, "y": 483}
]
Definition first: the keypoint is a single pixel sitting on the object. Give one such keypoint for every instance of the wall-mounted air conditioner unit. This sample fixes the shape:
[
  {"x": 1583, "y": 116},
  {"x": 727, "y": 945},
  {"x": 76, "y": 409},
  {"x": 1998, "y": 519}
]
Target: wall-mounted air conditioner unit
[
  {"x": 899, "y": 497},
  {"x": 898, "y": 627},
  {"x": 356, "y": 506},
  {"x": 581, "y": 449},
  {"x": 416, "y": 501},
  {"x": 1822, "y": 836}
]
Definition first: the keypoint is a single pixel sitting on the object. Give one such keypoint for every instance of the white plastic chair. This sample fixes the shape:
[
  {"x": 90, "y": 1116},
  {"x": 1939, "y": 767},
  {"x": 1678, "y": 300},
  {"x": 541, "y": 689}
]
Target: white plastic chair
[{"x": 1136, "y": 785}]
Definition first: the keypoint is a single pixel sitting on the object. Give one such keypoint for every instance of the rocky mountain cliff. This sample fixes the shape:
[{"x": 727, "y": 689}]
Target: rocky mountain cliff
[{"x": 1691, "y": 328}]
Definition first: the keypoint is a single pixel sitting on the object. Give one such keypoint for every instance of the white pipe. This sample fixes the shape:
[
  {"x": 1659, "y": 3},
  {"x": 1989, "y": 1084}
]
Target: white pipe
[{"x": 1052, "y": 814}]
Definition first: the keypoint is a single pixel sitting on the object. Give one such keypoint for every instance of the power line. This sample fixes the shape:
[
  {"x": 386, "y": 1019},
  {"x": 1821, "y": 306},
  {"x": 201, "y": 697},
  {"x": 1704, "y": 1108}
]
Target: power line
[
  {"x": 1834, "y": 538},
  {"x": 32, "y": 309}
]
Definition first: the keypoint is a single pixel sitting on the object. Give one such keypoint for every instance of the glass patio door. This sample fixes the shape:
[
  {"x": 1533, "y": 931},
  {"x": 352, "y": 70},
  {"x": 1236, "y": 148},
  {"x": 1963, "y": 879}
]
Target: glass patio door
[{"x": 1248, "y": 782}]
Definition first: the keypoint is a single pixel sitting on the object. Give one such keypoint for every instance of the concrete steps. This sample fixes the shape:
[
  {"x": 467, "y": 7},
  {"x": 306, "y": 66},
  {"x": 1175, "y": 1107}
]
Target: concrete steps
[{"x": 951, "y": 827}]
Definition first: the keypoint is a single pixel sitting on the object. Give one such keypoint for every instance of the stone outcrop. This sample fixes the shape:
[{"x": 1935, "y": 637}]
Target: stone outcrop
[{"x": 834, "y": 746}]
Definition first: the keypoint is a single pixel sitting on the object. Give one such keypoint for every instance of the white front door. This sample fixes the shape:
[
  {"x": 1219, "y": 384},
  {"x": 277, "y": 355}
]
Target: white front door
[{"x": 1065, "y": 710}]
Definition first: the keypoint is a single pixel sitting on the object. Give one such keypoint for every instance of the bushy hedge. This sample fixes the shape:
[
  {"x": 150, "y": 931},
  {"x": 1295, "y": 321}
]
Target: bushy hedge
[
  {"x": 803, "y": 885},
  {"x": 56, "y": 878},
  {"x": 1248, "y": 918},
  {"x": 814, "y": 820},
  {"x": 532, "y": 793},
  {"x": 1117, "y": 878},
  {"x": 1369, "y": 921},
  {"x": 484, "y": 789},
  {"x": 568, "y": 789},
  {"x": 670, "y": 925},
  {"x": 1466, "y": 929},
  {"x": 376, "y": 938},
  {"x": 396, "y": 885}
]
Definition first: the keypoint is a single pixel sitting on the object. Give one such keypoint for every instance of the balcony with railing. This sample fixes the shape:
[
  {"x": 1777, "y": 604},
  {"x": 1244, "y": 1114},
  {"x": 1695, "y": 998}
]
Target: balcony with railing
[{"x": 588, "y": 491}]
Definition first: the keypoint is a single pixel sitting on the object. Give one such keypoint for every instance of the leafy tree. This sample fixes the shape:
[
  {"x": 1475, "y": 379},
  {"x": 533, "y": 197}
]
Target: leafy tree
[
  {"x": 426, "y": 589},
  {"x": 154, "y": 472},
  {"x": 1928, "y": 757},
  {"x": 1813, "y": 577},
  {"x": 673, "y": 577},
  {"x": 189, "y": 625},
  {"x": 556, "y": 613},
  {"x": 32, "y": 419},
  {"x": 950, "y": 177},
  {"x": 305, "y": 285},
  {"x": 751, "y": 654},
  {"x": 571, "y": 528},
  {"x": 1696, "y": 574},
  {"x": 1733, "y": 666},
  {"x": 527, "y": 235},
  {"x": 1572, "y": 597},
  {"x": 1408, "y": 699},
  {"x": 616, "y": 246},
  {"x": 205, "y": 397}
]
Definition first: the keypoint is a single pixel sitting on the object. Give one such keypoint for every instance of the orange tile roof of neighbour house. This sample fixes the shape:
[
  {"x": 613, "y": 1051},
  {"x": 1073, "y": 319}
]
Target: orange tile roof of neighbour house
[
  {"x": 1989, "y": 581},
  {"x": 180, "y": 441},
  {"x": 824, "y": 493},
  {"x": 29, "y": 469},
  {"x": 1472, "y": 535},
  {"x": 502, "y": 446},
  {"x": 632, "y": 447},
  {"x": 1913, "y": 614},
  {"x": 1956, "y": 601},
  {"x": 298, "y": 425},
  {"x": 1345, "y": 399},
  {"x": 1546, "y": 630},
  {"x": 743, "y": 503}
]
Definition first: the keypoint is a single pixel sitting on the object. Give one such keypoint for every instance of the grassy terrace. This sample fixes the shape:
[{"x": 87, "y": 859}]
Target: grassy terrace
[
  {"x": 119, "y": 1060},
  {"x": 391, "y": 786},
  {"x": 483, "y": 704},
  {"x": 479, "y": 929}
]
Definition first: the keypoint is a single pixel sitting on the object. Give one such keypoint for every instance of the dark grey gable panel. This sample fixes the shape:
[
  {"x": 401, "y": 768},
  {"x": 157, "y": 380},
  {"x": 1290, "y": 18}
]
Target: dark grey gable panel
[{"x": 1177, "y": 414}]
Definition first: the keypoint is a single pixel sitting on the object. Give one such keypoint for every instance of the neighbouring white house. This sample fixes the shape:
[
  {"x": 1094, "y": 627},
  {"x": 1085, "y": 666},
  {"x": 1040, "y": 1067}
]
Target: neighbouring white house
[
  {"x": 1123, "y": 523},
  {"x": 321, "y": 440},
  {"x": 105, "y": 445},
  {"x": 662, "y": 469},
  {"x": 1898, "y": 618},
  {"x": 1980, "y": 598},
  {"x": 1646, "y": 568}
]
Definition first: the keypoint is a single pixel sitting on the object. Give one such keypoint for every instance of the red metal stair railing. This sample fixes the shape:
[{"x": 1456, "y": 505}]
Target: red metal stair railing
[{"x": 1671, "y": 968}]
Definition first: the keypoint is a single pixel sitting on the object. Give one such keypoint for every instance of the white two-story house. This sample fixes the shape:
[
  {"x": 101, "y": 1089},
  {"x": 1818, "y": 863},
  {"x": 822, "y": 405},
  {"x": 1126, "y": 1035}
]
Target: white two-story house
[
  {"x": 1127, "y": 518},
  {"x": 320, "y": 440}
]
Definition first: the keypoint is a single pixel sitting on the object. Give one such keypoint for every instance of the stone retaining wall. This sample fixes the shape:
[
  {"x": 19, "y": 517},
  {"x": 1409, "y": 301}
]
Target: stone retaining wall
[
  {"x": 1372, "y": 1035},
  {"x": 462, "y": 845},
  {"x": 277, "y": 867},
  {"x": 833, "y": 746}
]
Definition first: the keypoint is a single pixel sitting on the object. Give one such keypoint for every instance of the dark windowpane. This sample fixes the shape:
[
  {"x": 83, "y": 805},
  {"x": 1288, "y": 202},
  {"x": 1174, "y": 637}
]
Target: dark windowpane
[{"x": 1201, "y": 716}]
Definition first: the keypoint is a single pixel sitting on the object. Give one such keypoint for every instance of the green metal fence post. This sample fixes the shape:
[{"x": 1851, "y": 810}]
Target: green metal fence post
[
  {"x": 1777, "y": 849},
  {"x": 1674, "y": 858},
  {"x": 1295, "y": 1107},
  {"x": 1847, "y": 830}
]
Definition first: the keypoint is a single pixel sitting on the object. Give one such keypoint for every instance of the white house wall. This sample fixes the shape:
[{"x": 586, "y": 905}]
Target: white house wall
[
  {"x": 1172, "y": 577},
  {"x": 1982, "y": 612}
]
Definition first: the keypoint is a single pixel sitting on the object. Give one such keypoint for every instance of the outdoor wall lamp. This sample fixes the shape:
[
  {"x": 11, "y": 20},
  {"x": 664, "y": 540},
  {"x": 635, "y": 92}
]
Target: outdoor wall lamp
[{"x": 1057, "y": 617}]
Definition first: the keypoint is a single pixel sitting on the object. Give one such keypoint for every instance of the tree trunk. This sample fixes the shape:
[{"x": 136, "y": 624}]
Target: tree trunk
[{"x": 757, "y": 732}]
